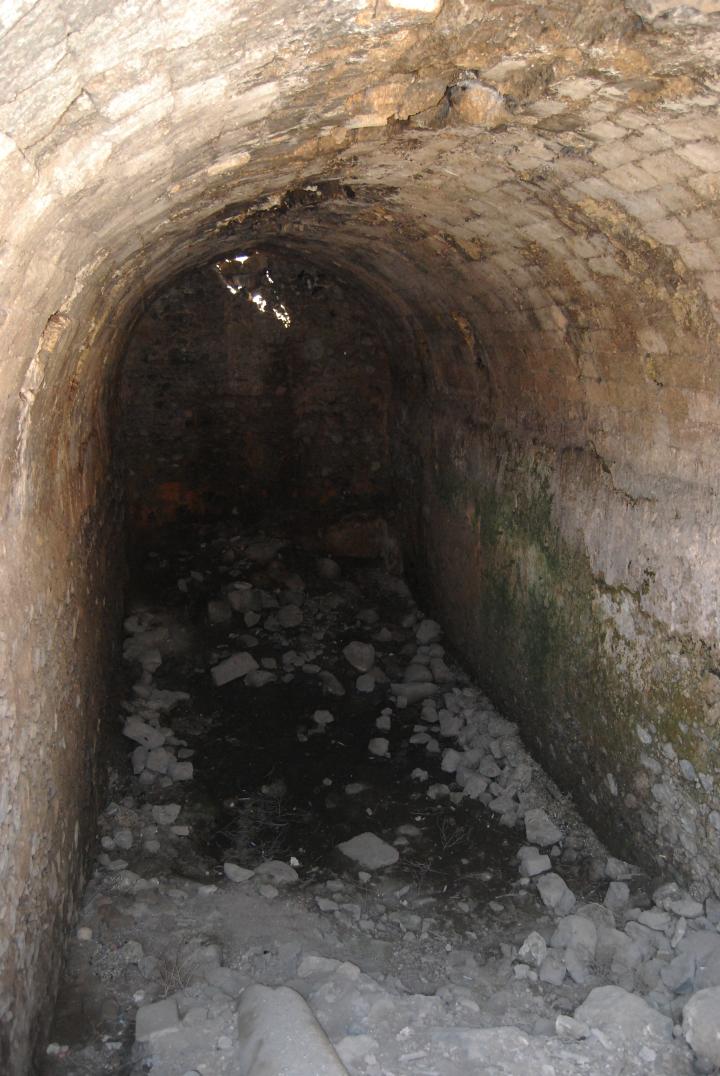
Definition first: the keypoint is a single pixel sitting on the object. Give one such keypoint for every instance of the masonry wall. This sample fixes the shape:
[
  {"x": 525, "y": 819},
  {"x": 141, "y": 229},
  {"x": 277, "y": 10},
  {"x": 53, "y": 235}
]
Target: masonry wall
[{"x": 270, "y": 410}]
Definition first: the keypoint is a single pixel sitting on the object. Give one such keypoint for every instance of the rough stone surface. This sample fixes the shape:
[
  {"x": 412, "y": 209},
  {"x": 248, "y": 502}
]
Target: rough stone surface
[
  {"x": 701, "y": 1023},
  {"x": 539, "y": 829},
  {"x": 159, "y": 1018},
  {"x": 622, "y": 1015},
  {"x": 279, "y": 1033},
  {"x": 369, "y": 851},
  {"x": 555, "y": 894},
  {"x": 233, "y": 668}
]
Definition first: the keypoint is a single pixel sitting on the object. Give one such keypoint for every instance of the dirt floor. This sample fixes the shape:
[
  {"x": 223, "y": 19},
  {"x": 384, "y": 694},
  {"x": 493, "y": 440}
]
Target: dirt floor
[{"x": 477, "y": 926}]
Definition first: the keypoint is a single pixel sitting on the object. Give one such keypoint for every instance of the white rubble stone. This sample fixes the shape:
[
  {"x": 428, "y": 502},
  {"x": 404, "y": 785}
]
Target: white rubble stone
[
  {"x": 540, "y": 830},
  {"x": 617, "y": 896},
  {"x": 379, "y": 746},
  {"x": 143, "y": 733},
  {"x": 534, "y": 949},
  {"x": 166, "y": 813},
  {"x": 156, "y": 1020},
  {"x": 360, "y": 655},
  {"x": 567, "y": 1027},
  {"x": 441, "y": 674},
  {"x": 534, "y": 863},
  {"x": 450, "y": 760},
  {"x": 577, "y": 933},
  {"x": 622, "y": 1015},
  {"x": 233, "y": 668},
  {"x": 279, "y": 1034},
  {"x": 370, "y": 851},
  {"x": 235, "y": 873},
  {"x": 417, "y": 674},
  {"x": 331, "y": 684},
  {"x": 139, "y": 758},
  {"x": 552, "y": 970},
  {"x": 277, "y": 871},
  {"x": 181, "y": 771},
  {"x": 686, "y": 907},
  {"x": 555, "y": 894},
  {"x": 701, "y": 1024},
  {"x": 427, "y": 631},
  {"x": 159, "y": 759},
  {"x": 618, "y": 870},
  {"x": 475, "y": 786},
  {"x": 365, "y": 683}
]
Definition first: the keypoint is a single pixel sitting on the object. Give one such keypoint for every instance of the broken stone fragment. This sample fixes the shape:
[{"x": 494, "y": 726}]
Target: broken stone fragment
[
  {"x": 617, "y": 896},
  {"x": 232, "y": 668},
  {"x": 331, "y": 684},
  {"x": 369, "y": 851},
  {"x": 540, "y": 830},
  {"x": 139, "y": 758},
  {"x": 552, "y": 970},
  {"x": 279, "y": 1034},
  {"x": 144, "y": 734},
  {"x": 619, "y": 871},
  {"x": 427, "y": 631},
  {"x": 623, "y": 1016},
  {"x": 156, "y": 1020},
  {"x": 360, "y": 655},
  {"x": 181, "y": 771},
  {"x": 555, "y": 894},
  {"x": 379, "y": 746},
  {"x": 533, "y": 863},
  {"x": 365, "y": 683},
  {"x": 165, "y": 813},
  {"x": 235, "y": 873},
  {"x": 701, "y": 1024},
  {"x": 274, "y": 870},
  {"x": 534, "y": 949},
  {"x": 159, "y": 759},
  {"x": 450, "y": 760},
  {"x": 417, "y": 674},
  {"x": 577, "y": 933}
]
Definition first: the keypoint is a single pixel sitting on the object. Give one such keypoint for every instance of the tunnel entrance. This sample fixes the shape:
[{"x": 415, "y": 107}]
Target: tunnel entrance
[{"x": 256, "y": 386}]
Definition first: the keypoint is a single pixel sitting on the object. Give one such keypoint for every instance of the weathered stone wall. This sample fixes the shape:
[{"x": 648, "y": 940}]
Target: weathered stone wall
[
  {"x": 257, "y": 407},
  {"x": 60, "y": 588},
  {"x": 526, "y": 205}
]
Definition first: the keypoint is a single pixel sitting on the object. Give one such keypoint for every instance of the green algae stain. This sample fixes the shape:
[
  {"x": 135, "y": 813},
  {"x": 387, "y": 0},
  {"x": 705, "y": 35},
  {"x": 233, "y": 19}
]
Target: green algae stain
[{"x": 556, "y": 662}]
